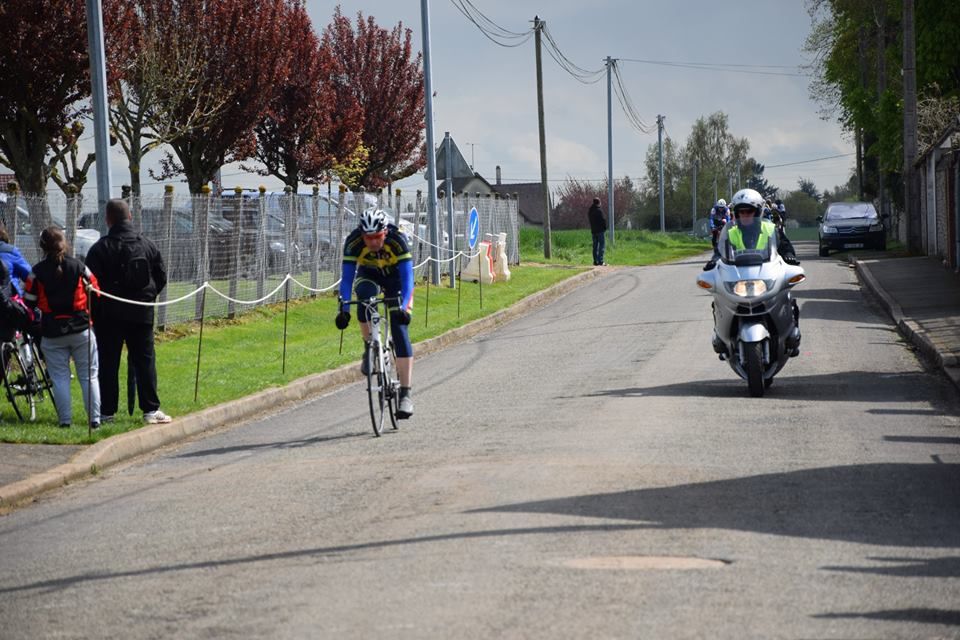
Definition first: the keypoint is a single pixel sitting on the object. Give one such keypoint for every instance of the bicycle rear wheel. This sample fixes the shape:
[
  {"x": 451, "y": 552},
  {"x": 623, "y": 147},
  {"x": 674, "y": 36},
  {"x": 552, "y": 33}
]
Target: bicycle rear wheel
[
  {"x": 376, "y": 387},
  {"x": 15, "y": 383}
]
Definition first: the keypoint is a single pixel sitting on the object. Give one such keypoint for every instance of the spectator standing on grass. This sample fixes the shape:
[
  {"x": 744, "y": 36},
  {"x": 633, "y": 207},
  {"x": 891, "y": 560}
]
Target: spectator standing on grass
[
  {"x": 128, "y": 266},
  {"x": 598, "y": 227},
  {"x": 58, "y": 285}
]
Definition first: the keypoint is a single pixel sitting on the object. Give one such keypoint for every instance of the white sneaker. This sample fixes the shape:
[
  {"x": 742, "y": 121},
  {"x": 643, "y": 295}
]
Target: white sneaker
[{"x": 156, "y": 417}]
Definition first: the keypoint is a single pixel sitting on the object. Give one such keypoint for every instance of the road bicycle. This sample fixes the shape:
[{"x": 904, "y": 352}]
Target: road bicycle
[
  {"x": 383, "y": 384},
  {"x": 25, "y": 377}
]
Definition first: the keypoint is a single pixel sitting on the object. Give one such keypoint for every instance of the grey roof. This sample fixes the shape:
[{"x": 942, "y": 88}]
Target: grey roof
[
  {"x": 460, "y": 167},
  {"x": 530, "y": 195}
]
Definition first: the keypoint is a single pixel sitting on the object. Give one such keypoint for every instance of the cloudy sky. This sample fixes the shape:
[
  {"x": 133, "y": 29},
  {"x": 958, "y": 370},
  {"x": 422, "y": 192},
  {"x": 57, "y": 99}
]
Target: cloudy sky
[{"x": 486, "y": 93}]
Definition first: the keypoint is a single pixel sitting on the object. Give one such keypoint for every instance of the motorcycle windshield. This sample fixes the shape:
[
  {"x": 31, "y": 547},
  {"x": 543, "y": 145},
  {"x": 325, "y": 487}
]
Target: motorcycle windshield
[{"x": 746, "y": 244}]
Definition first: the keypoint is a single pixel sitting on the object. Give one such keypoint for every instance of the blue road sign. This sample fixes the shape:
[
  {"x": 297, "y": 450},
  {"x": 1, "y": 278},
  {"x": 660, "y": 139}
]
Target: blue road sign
[{"x": 474, "y": 231}]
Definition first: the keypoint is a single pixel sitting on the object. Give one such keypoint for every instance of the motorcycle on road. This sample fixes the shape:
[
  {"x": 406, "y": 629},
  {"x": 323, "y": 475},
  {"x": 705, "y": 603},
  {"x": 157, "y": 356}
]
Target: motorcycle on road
[{"x": 756, "y": 320}]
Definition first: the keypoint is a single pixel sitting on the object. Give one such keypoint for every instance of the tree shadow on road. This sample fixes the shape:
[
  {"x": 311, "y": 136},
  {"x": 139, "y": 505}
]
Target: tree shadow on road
[{"x": 903, "y": 505}]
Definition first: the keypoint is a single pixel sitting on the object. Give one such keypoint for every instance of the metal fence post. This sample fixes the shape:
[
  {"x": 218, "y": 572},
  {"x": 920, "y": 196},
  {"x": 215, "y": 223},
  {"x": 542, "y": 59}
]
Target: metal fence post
[
  {"x": 73, "y": 200},
  {"x": 315, "y": 240},
  {"x": 261, "y": 241},
  {"x": 13, "y": 220},
  {"x": 166, "y": 226},
  {"x": 236, "y": 238},
  {"x": 201, "y": 228},
  {"x": 288, "y": 228}
]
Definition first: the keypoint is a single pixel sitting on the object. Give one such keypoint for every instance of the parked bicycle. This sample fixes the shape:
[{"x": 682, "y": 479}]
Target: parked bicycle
[
  {"x": 380, "y": 363},
  {"x": 25, "y": 376}
]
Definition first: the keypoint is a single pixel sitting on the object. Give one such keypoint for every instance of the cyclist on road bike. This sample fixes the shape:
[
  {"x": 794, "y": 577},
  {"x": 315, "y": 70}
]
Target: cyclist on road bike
[
  {"x": 719, "y": 215},
  {"x": 377, "y": 256}
]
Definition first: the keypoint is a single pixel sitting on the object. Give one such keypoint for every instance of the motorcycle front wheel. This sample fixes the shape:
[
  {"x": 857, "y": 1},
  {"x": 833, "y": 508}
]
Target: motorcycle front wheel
[{"x": 753, "y": 365}]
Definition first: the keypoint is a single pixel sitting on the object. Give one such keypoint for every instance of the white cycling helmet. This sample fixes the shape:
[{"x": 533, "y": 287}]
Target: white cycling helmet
[
  {"x": 747, "y": 199},
  {"x": 373, "y": 221},
  {"x": 721, "y": 202}
]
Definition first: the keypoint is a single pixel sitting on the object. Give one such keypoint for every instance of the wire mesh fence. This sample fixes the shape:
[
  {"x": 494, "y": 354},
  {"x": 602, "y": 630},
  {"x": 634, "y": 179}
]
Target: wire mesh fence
[{"x": 244, "y": 243}]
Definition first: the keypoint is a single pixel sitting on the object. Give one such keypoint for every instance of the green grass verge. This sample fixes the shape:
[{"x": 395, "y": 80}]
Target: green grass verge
[
  {"x": 245, "y": 355},
  {"x": 630, "y": 247}
]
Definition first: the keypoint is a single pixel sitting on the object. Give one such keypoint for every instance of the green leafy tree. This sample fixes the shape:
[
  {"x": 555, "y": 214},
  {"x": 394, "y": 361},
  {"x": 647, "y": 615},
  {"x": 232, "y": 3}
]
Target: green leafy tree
[
  {"x": 802, "y": 207},
  {"x": 756, "y": 181},
  {"x": 809, "y": 188}
]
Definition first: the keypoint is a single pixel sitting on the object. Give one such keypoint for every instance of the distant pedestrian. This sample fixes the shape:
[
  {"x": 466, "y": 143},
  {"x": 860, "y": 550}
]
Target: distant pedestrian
[
  {"x": 128, "y": 266},
  {"x": 598, "y": 227},
  {"x": 58, "y": 286}
]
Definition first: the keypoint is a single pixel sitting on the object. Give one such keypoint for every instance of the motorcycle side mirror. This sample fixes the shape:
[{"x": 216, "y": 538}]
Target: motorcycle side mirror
[{"x": 819, "y": 218}]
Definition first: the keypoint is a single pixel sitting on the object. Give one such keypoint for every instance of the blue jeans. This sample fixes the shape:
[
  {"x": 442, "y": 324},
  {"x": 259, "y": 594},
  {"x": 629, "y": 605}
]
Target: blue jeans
[
  {"x": 599, "y": 245},
  {"x": 58, "y": 352}
]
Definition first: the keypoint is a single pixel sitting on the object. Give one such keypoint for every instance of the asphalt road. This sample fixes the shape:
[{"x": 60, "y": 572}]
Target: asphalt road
[{"x": 589, "y": 471}]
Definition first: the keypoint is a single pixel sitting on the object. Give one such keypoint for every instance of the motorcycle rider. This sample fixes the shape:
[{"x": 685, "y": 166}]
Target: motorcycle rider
[
  {"x": 719, "y": 215},
  {"x": 749, "y": 231}
]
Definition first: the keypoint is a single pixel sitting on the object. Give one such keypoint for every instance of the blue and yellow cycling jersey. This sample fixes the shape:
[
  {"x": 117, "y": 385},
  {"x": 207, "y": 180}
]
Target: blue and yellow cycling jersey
[
  {"x": 395, "y": 250},
  {"x": 391, "y": 266}
]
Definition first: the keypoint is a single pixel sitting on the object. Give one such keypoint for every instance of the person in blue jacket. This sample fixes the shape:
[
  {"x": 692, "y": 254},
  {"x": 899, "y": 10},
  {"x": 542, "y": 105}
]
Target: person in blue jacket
[
  {"x": 377, "y": 256},
  {"x": 17, "y": 265}
]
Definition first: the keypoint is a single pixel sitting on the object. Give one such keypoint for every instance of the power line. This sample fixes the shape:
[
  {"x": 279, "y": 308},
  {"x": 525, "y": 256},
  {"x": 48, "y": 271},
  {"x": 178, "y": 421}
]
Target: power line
[
  {"x": 725, "y": 67},
  {"x": 579, "y": 73},
  {"x": 790, "y": 164},
  {"x": 627, "y": 104},
  {"x": 493, "y": 31}
]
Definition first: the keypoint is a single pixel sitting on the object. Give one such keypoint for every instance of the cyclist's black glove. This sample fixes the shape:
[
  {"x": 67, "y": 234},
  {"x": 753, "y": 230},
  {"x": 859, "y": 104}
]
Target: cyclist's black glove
[
  {"x": 791, "y": 260},
  {"x": 342, "y": 320},
  {"x": 403, "y": 316},
  {"x": 710, "y": 265}
]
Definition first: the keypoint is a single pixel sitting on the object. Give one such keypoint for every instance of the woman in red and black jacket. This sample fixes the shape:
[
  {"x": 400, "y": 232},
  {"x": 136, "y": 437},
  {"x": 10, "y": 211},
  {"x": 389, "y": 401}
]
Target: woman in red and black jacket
[{"x": 58, "y": 286}]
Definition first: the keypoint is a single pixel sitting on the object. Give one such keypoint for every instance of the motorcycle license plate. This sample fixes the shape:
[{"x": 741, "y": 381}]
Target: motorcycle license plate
[{"x": 853, "y": 245}]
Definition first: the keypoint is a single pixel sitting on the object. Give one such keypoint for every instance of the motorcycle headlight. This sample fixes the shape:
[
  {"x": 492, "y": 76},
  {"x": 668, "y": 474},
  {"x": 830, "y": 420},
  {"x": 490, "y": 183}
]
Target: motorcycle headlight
[
  {"x": 827, "y": 229},
  {"x": 749, "y": 288}
]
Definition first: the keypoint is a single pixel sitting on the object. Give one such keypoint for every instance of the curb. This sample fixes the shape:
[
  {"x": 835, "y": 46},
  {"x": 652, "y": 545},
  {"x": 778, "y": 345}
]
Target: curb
[
  {"x": 131, "y": 444},
  {"x": 910, "y": 329}
]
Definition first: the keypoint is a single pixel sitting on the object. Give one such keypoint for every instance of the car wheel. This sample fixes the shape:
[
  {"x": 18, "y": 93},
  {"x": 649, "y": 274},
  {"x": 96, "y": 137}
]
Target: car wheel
[
  {"x": 824, "y": 251},
  {"x": 882, "y": 244}
]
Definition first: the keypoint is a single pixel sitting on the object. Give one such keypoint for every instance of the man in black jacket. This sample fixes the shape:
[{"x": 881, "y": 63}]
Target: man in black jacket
[
  {"x": 598, "y": 227},
  {"x": 128, "y": 266}
]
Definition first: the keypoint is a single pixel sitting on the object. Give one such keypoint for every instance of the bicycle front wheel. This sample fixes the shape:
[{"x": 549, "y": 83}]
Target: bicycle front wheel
[
  {"x": 376, "y": 387},
  {"x": 392, "y": 384},
  {"x": 16, "y": 383}
]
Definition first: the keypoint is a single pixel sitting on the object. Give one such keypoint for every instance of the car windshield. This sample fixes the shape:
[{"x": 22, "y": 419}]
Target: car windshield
[{"x": 850, "y": 212}]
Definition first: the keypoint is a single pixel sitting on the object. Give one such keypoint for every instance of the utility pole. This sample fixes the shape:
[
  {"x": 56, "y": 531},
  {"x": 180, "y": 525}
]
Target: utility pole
[
  {"x": 545, "y": 189},
  {"x": 881, "y": 89},
  {"x": 693, "y": 225},
  {"x": 911, "y": 192},
  {"x": 660, "y": 119},
  {"x": 610, "y": 62},
  {"x": 432, "y": 215},
  {"x": 98, "y": 76}
]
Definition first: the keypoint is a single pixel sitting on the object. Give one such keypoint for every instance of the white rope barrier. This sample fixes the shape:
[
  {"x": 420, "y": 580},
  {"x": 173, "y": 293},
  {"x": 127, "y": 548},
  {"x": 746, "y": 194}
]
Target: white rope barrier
[
  {"x": 325, "y": 289},
  {"x": 287, "y": 278}
]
